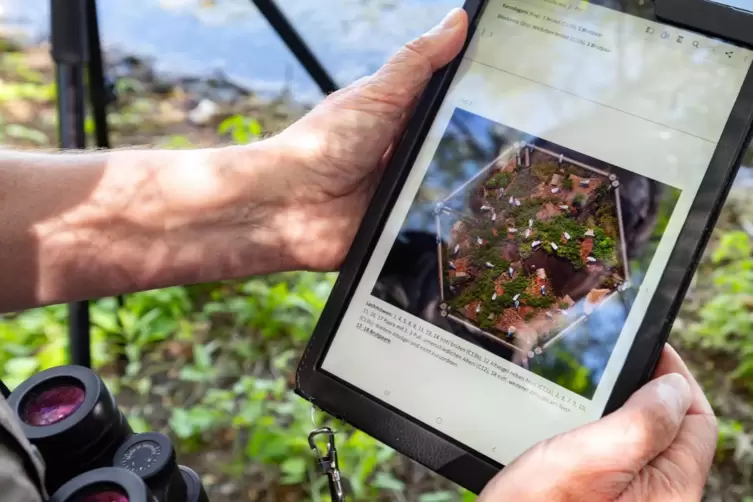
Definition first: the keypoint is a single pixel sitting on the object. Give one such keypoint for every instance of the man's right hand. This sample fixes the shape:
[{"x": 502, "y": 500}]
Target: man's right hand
[{"x": 657, "y": 448}]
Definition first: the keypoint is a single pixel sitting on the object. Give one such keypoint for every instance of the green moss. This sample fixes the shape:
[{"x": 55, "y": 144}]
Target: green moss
[
  {"x": 525, "y": 250},
  {"x": 540, "y": 301},
  {"x": 567, "y": 184},
  {"x": 513, "y": 287},
  {"x": 482, "y": 289},
  {"x": 604, "y": 189},
  {"x": 544, "y": 170},
  {"x": 489, "y": 252},
  {"x": 605, "y": 247},
  {"x": 526, "y": 211},
  {"x": 553, "y": 230},
  {"x": 523, "y": 184},
  {"x": 485, "y": 323},
  {"x": 499, "y": 180}
]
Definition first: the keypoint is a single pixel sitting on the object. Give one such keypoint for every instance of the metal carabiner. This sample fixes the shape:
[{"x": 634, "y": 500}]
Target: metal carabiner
[{"x": 327, "y": 462}]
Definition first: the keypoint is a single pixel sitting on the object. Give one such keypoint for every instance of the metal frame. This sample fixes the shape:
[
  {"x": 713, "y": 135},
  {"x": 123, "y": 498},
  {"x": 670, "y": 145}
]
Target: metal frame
[
  {"x": 520, "y": 153},
  {"x": 77, "y": 53}
]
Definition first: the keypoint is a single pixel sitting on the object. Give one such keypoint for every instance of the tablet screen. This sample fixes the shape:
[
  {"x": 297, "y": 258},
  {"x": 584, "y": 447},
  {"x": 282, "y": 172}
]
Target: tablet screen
[{"x": 512, "y": 275}]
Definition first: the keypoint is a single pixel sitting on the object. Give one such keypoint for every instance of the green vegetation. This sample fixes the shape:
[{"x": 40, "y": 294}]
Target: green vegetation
[
  {"x": 553, "y": 230},
  {"x": 210, "y": 365},
  {"x": 567, "y": 183},
  {"x": 526, "y": 211},
  {"x": 479, "y": 288},
  {"x": 538, "y": 301},
  {"x": 606, "y": 215},
  {"x": 489, "y": 253},
  {"x": 559, "y": 366},
  {"x": 499, "y": 180},
  {"x": 525, "y": 249},
  {"x": 605, "y": 247},
  {"x": 544, "y": 170},
  {"x": 714, "y": 335},
  {"x": 522, "y": 184}
]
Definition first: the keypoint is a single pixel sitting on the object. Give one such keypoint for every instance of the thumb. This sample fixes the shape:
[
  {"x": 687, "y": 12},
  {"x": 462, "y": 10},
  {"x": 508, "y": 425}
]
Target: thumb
[
  {"x": 395, "y": 86},
  {"x": 602, "y": 458},
  {"x": 641, "y": 430}
]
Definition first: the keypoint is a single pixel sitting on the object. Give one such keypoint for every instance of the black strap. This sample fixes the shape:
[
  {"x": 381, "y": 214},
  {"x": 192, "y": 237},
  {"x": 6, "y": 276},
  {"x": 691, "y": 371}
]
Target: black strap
[{"x": 4, "y": 390}]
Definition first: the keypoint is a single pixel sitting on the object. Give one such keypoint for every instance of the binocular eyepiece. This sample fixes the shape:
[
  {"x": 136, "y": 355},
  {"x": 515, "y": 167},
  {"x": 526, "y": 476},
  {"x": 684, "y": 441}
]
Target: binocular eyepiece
[
  {"x": 91, "y": 452},
  {"x": 114, "y": 484}
]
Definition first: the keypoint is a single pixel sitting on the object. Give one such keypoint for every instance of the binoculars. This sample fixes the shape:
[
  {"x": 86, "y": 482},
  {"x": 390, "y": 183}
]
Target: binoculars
[{"x": 91, "y": 452}]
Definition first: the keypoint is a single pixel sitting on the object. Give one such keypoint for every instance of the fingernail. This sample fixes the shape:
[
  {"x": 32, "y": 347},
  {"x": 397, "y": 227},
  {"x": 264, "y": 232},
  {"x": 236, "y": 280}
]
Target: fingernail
[
  {"x": 450, "y": 21},
  {"x": 673, "y": 389}
]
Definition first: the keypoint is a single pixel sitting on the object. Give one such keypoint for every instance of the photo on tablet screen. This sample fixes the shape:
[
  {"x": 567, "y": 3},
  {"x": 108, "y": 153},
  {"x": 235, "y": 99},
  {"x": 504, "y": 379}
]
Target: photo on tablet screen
[{"x": 529, "y": 250}]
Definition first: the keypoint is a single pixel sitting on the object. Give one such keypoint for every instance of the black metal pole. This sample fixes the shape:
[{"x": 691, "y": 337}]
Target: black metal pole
[
  {"x": 4, "y": 390},
  {"x": 100, "y": 98},
  {"x": 297, "y": 46},
  {"x": 70, "y": 52},
  {"x": 98, "y": 92}
]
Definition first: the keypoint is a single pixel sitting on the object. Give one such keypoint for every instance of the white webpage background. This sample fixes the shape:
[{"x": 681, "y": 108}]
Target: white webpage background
[{"x": 639, "y": 102}]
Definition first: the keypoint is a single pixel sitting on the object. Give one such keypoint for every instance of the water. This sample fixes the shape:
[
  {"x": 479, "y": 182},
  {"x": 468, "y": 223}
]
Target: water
[{"x": 351, "y": 37}]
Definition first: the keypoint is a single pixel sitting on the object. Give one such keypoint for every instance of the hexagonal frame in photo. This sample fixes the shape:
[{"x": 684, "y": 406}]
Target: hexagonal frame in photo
[{"x": 522, "y": 152}]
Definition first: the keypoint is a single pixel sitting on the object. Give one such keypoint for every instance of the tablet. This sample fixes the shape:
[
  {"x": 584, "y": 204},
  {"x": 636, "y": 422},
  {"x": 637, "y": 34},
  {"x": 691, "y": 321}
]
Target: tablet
[
  {"x": 519, "y": 269},
  {"x": 732, "y": 19}
]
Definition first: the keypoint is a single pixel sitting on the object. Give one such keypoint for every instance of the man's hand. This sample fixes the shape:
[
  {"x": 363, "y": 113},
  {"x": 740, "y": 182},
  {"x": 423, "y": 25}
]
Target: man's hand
[
  {"x": 340, "y": 148},
  {"x": 107, "y": 223},
  {"x": 657, "y": 448}
]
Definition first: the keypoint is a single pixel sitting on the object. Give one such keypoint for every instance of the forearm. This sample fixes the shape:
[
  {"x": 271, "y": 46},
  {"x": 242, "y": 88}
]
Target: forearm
[{"x": 80, "y": 226}]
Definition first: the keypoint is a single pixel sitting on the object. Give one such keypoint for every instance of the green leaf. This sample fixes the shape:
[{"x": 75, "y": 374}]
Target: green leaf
[
  {"x": 106, "y": 320},
  {"x": 180, "y": 423},
  {"x": 443, "y": 496},
  {"x": 138, "y": 424},
  {"x": 22, "y": 366},
  {"x": 387, "y": 481},
  {"x": 294, "y": 470},
  {"x": 732, "y": 246},
  {"x": 249, "y": 414},
  {"x": 202, "y": 356},
  {"x": 227, "y": 125},
  {"x": 268, "y": 446},
  {"x": 254, "y": 127},
  {"x": 467, "y": 496},
  {"x": 23, "y": 132},
  {"x": 193, "y": 374}
]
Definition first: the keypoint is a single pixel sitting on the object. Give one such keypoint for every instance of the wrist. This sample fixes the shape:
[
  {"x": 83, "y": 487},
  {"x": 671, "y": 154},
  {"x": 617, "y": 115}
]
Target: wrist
[
  {"x": 310, "y": 236},
  {"x": 282, "y": 175},
  {"x": 256, "y": 199},
  {"x": 197, "y": 215}
]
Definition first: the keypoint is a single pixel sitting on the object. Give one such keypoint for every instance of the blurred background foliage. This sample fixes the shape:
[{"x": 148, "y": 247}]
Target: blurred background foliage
[{"x": 213, "y": 365}]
